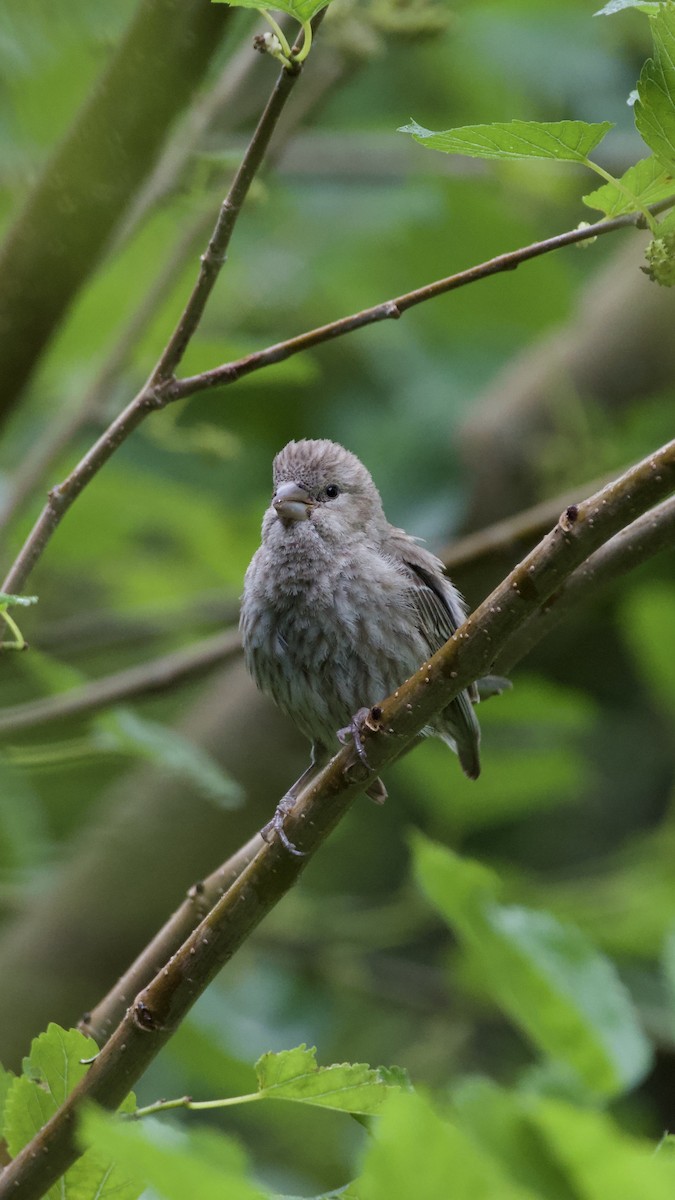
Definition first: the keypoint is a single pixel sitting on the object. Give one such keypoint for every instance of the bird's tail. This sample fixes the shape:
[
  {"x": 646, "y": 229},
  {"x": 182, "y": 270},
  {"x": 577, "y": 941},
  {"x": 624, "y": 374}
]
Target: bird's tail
[{"x": 460, "y": 729}]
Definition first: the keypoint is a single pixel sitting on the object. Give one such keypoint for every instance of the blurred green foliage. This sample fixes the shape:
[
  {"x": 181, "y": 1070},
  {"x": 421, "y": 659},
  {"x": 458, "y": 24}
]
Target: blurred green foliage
[{"x": 574, "y": 810}]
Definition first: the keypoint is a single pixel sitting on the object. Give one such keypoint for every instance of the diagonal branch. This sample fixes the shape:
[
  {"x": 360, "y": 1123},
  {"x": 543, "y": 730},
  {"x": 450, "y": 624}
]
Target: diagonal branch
[
  {"x": 162, "y": 389},
  {"x": 150, "y": 397},
  {"x": 142, "y": 680},
  {"x": 393, "y": 309},
  {"x": 158, "y": 1009}
]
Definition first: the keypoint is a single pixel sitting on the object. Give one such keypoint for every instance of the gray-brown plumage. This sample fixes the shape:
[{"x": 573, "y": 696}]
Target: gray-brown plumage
[{"x": 340, "y": 607}]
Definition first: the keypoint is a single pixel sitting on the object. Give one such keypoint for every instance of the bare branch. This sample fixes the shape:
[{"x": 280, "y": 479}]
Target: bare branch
[
  {"x": 142, "y": 680},
  {"x": 150, "y": 397},
  {"x": 162, "y": 388},
  {"x": 393, "y": 309},
  {"x": 158, "y": 1009},
  {"x": 515, "y": 534},
  {"x": 57, "y": 437},
  {"x": 199, "y": 901}
]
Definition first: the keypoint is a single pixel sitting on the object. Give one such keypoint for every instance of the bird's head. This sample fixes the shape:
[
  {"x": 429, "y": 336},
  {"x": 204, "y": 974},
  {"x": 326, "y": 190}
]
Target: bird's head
[{"x": 321, "y": 482}]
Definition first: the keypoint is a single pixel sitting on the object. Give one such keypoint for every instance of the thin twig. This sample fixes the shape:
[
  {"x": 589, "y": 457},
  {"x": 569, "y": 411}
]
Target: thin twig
[
  {"x": 199, "y": 900},
  {"x": 47, "y": 449},
  {"x": 157, "y": 394},
  {"x": 142, "y": 680},
  {"x": 150, "y": 397},
  {"x": 57, "y": 437},
  {"x": 158, "y": 1010},
  {"x": 211, "y": 106},
  {"x": 392, "y": 309},
  {"x": 216, "y": 251},
  {"x": 513, "y": 535}
]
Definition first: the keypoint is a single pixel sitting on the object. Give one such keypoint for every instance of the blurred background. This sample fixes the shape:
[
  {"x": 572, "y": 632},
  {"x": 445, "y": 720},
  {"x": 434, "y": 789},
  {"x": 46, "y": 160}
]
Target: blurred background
[{"x": 120, "y": 127}]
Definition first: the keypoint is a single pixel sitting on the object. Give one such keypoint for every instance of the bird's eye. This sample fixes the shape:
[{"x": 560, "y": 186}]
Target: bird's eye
[{"x": 332, "y": 491}]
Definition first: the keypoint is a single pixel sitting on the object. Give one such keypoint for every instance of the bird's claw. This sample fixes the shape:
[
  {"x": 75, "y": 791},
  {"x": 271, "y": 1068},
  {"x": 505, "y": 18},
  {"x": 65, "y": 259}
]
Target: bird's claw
[
  {"x": 353, "y": 733},
  {"x": 276, "y": 825}
]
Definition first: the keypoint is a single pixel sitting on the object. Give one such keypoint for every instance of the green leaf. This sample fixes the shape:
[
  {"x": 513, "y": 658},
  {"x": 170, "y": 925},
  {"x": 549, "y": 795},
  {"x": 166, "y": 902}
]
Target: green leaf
[
  {"x": 599, "y": 1159},
  {"x": 615, "y": 6},
  {"x": 655, "y": 106},
  {"x": 53, "y": 1068},
  {"x": 176, "y": 1165},
  {"x": 561, "y": 1150},
  {"x": 6, "y": 1080},
  {"x": 124, "y": 730},
  {"x": 535, "y": 755},
  {"x": 347, "y": 1087},
  {"x": 647, "y": 181},
  {"x": 302, "y": 10},
  {"x": 568, "y": 141},
  {"x": 498, "y": 1121},
  {"x": 647, "y": 620},
  {"x": 546, "y": 976},
  {"x": 414, "y": 1153}
]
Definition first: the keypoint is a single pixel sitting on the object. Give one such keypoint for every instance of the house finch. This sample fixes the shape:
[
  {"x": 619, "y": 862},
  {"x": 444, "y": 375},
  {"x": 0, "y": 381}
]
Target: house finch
[{"x": 340, "y": 607}]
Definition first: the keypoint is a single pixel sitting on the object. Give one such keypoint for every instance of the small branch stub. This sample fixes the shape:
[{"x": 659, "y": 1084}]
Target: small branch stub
[{"x": 569, "y": 517}]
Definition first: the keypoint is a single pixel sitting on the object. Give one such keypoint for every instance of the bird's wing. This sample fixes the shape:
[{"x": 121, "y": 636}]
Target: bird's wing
[{"x": 440, "y": 611}]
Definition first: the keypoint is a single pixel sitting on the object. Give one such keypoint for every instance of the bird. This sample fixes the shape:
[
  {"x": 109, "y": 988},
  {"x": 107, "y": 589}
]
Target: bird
[{"x": 340, "y": 607}]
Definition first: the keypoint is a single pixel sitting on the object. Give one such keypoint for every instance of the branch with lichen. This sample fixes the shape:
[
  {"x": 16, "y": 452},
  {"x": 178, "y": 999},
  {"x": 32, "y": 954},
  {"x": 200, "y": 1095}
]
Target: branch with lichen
[{"x": 158, "y": 1009}]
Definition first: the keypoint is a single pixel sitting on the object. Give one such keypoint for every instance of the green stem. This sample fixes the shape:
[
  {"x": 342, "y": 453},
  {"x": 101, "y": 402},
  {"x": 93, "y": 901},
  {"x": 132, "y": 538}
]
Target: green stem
[
  {"x": 193, "y": 1105},
  {"x": 20, "y": 642},
  {"x": 47, "y": 755},
  {"x": 307, "y": 43},
  {"x": 621, "y": 187}
]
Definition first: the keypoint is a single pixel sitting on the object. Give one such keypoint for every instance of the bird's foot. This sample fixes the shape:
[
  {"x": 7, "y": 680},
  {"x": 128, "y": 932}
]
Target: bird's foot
[
  {"x": 365, "y": 718},
  {"x": 276, "y": 825}
]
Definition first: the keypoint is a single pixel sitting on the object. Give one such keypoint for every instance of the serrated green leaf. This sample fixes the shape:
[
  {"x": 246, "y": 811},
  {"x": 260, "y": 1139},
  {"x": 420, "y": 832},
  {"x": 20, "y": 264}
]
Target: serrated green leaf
[
  {"x": 125, "y": 731},
  {"x": 347, "y": 1087},
  {"x": 567, "y": 141},
  {"x": 302, "y": 10},
  {"x": 414, "y": 1153},
  {"x": 647, "y": 182},
  {"x": 175, "y": 1164},
  {"x": 50, "y": 1072},
  {"x": 655, "y": 106},
  {"x": 546, "y": 976}
]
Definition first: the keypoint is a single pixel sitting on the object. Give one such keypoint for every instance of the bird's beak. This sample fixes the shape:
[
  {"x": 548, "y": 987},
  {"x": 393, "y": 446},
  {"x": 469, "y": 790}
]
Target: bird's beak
[{"x": 291, "y": 502}]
